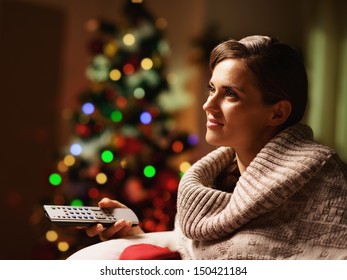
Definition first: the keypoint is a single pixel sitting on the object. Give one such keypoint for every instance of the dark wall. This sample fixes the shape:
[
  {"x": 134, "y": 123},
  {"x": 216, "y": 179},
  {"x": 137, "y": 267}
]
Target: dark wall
[{"x": 30, "y": 55}]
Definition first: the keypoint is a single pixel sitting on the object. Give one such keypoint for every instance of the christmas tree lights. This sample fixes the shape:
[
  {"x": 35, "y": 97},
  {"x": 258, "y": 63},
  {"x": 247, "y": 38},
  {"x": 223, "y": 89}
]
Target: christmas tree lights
[{"x": 123, "y": 140}]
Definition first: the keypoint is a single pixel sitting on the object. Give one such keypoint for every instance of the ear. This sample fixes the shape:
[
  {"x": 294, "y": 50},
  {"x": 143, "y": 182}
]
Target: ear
[{"x": 280, "y": 113}]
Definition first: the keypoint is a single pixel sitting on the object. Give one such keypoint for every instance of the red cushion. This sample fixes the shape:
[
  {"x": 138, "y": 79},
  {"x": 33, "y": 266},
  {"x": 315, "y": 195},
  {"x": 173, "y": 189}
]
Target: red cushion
[{"x": 148, "y": 252}]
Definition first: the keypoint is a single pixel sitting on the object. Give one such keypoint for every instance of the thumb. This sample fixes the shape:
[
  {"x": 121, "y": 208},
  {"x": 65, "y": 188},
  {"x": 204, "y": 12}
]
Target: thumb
[{"x": 109, "y": 203}]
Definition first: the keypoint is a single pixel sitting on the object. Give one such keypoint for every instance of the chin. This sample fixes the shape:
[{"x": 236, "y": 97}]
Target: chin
[{"x": 212, "y": 140}]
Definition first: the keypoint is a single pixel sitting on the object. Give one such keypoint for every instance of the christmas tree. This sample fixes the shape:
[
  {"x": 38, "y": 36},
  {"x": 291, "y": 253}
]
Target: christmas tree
[{"x": 125, "y": 143}]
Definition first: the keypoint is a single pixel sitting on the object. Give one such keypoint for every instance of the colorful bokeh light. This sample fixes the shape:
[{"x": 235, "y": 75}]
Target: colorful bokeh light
[
  {"x": 107, "y": 156},
  {"x": 149, "y": 171},
  {"x": 184, "y": 166},
  {"x": 51, "y": 235},
  {"x": 77, "y": 202},
  {"x": 116, "y": 116},
  {"x": 129, "y": 39},
  {"x": 69, "y": 160},
  {"x": 55, "y": 179},
  {"x": 115, "y": 75},
  {"x": 146, "y": 118},
  {"x": 63, "y": 246},
  {"x": 88, "y": 108},
  {"x": 101, "y": 178},
  {"x": 193, "y": 139},
  {"x": 146, "y": 63},
  {"x": 76, "y": 149}
]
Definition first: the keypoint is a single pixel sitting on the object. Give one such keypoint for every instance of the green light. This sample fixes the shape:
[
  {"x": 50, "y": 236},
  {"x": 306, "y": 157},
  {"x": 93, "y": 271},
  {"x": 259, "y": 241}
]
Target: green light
[
  {"x": 77, "y": 202},
  {"x": 55, "y": 179},
  {"x": 149, "y": 171},
  {"x": 107, "y": 156},
  {"x": 116, "y": 116}
]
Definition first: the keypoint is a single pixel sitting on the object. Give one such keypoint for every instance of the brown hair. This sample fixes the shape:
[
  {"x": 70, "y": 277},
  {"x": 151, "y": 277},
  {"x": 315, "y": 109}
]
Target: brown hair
[{"x": 278, "y": 68}]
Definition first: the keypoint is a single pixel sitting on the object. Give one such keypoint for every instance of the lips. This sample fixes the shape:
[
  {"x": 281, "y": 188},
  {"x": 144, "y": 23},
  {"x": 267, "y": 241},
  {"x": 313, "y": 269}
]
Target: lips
[{"x": 213, "y": 123}]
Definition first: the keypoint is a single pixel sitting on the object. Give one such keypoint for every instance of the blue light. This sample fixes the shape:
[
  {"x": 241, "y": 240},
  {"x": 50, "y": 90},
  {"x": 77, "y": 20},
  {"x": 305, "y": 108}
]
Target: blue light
[
  {"x": 146, "y": 118},
  {"x": 193, "y": 139},
  {"x": 76, "y": 149},
  {"x": 88, "y": 108}
]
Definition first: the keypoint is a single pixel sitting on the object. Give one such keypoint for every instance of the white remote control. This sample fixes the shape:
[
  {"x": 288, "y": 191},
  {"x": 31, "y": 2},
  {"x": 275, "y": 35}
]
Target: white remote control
[{"x": 87, "y": 215}]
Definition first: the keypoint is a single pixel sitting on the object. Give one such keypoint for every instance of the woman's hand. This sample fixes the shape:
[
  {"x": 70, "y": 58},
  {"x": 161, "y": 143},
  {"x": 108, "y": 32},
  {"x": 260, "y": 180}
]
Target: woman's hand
[{"x": 119, "y": 229}]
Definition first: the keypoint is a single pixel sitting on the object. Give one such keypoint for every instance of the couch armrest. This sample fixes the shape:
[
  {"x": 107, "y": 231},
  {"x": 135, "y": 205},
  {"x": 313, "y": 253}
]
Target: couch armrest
[{"x": 111, "y": 249}]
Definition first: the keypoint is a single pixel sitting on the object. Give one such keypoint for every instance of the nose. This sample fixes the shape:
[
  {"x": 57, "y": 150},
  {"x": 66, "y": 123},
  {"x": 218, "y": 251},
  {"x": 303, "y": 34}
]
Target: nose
[{"x": 211, "y": 103}]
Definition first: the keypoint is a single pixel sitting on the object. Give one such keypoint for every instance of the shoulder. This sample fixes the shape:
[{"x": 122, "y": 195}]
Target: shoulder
[{"x": 298, "y": 141}]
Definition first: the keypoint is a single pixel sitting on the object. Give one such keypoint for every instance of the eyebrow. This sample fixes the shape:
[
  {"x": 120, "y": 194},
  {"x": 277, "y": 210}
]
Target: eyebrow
[{"x": 229, "y": 87}]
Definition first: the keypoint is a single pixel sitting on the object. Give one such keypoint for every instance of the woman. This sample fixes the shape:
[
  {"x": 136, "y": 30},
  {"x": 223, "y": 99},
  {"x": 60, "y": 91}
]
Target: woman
[{"x": 269, "y": 191}]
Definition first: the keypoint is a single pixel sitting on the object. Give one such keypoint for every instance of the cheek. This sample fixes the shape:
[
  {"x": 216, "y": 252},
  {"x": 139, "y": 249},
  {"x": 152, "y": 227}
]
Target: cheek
[{"x": 245, "y": 118}]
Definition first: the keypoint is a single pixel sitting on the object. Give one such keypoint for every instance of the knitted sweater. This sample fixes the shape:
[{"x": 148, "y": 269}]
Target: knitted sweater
[{"x": 290, "y": 203}]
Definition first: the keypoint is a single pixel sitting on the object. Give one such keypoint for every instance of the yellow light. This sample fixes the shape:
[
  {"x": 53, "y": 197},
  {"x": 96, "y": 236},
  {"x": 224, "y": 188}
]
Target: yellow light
[
  {"x": 61, "y": 166},
  {"x": 146, "y": 63},
  {"x": 51, "y": 235},
  {"x": 124, "y": 163},
  {"x": 69, "y": 160},
  {"x": 184, "y": 166},
  {"x": 63, "y": 246},
  {"x": 137, "y": 1},
  {"x": 115, "y": 75},
  {"x": 129, "y": 39},
  {"x": 101, "y": 178},
  {"x": 110, "y": 49}
]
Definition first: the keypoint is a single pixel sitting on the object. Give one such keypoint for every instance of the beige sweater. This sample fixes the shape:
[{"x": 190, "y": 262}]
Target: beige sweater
[{"x": 290, "y": 203}]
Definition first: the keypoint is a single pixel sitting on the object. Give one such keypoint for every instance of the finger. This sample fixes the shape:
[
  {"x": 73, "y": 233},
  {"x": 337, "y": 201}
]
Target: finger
[
  {"x": 115, "y": 230},
  {"x": 125, "y": 230},
  {"x": 94, "y": 230},
  {"x": 108, "y": 203},
  {"x": 80, "y": 227}
]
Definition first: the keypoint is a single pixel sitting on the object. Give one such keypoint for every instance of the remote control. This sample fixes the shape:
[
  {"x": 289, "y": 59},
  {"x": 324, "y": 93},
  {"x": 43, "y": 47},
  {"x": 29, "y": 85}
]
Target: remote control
[{"x": 87, "y": 215}]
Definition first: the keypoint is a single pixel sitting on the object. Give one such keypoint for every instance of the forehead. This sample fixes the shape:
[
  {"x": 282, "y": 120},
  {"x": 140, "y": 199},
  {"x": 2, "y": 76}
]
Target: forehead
[
  {"x": 231, "y": 69},
  {"x": 234, "y": 73}
]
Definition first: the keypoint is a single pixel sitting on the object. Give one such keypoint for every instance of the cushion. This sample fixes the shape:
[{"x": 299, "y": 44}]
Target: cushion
[
  {"x": 112, "y": 249},
  {"x": 148, "y": 252}
]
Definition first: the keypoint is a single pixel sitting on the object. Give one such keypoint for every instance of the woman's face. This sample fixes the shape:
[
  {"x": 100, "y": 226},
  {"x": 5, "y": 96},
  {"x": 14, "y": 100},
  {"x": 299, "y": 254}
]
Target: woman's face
[{"x": 236, "y": 115}]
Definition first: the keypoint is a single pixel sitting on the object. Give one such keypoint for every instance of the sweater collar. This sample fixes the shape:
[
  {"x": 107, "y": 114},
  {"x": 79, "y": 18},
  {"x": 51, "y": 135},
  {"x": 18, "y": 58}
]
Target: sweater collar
[{"x": 279, "y": 170}]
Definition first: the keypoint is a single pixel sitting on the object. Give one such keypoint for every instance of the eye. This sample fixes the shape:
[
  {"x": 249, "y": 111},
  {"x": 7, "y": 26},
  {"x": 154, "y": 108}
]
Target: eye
[
  {"x": 211, "y": 89},
  {"x": 229, "y": 92}
]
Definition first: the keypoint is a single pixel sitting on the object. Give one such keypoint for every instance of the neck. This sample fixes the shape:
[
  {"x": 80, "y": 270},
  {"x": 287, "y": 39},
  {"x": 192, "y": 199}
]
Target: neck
[
  {"x": 245, "y": 156},
  {"x": 243, "y": 160}
]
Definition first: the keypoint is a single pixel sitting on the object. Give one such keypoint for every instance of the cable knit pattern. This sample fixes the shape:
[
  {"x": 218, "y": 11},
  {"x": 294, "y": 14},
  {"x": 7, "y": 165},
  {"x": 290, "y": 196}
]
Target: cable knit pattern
[{"x": 291, "y": 202}]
